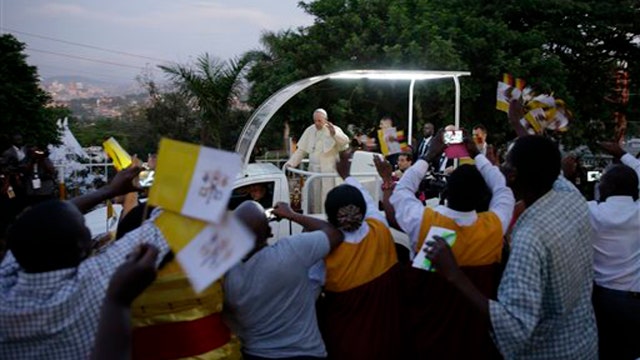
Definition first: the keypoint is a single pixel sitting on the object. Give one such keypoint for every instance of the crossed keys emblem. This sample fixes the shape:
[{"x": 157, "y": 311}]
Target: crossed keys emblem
[
  {"x": 217, "y": 249},
  {"x": 212, "y": 183}
]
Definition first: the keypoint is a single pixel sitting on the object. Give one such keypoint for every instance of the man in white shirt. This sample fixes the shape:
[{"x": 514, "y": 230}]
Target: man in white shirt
[
  {"x": 436, "y": 320},
  {"x": 15, "y": 153},
  {"x": 322, "y": 142},
  {"x": 480, "y": 138},
  {"x": 409, "y": 210},
  {"x": 616, "y": 242}
]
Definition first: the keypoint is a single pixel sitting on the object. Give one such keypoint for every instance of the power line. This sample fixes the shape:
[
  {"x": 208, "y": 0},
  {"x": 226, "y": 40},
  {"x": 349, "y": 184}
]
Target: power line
[
  {"x": 42, "y": 68},
  {"x": 85, "y": 58},
  {"x": 86, "y": 45}
]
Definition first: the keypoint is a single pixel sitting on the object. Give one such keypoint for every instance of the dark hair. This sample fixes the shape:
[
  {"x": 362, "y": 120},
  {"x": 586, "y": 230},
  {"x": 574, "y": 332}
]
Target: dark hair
[
  {"x": 481, "y": 127},
  {"x": 619, "y": 180},
  {"x": 340, "y": 197},
  {"x": 467, "y": 190},
  {"x": 536, "y": 160},
  {"x": 408, "y": 155},
  {"x": 49, "y": 236},
  {"x": 132, "y": 220}
]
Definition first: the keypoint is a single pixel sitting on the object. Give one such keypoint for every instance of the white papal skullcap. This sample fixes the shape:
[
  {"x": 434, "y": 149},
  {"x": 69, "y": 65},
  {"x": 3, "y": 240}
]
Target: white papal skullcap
[{"x": 321, "y": 111}]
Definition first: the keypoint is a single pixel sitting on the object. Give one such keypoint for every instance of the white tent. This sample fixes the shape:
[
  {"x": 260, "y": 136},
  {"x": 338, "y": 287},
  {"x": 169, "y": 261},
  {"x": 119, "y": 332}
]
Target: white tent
[{"x": 69, "y": 149}]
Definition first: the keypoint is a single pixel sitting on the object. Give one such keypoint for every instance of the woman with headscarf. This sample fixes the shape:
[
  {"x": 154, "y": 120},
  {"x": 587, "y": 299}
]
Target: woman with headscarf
[{"x": 360, "y": 313}]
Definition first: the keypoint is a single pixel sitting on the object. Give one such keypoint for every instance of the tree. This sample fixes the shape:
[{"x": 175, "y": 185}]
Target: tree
[
  {"x": 213, "y": 86},
  {"x": 568, "y": 47},
  {"x": 23, "y": 103}
]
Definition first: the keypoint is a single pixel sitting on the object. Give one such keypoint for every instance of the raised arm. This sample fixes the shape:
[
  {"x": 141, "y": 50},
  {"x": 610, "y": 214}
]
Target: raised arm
[
  {"x": 121, "y": 184},
  {"x": 341, "y": 138},
  {"x": 631, "y": 162},
  {"x": 407, "y": 207},
  {"x": 113, "y": 340},
  {"x": 502, "y": 200},
  {"x": 617, "y": 152},
  {"x": 343, "y": 167},
  {"x": 284, "y": 211},
  {"x": 384, "y": 170},
  {"x": 516, "y": 112}
]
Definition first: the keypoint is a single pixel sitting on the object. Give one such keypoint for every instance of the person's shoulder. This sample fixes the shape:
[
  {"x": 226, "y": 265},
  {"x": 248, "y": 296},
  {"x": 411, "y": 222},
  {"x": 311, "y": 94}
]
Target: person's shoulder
[
  {"x": 302, "y": 244},
  {"x": 299, "y": 240}
]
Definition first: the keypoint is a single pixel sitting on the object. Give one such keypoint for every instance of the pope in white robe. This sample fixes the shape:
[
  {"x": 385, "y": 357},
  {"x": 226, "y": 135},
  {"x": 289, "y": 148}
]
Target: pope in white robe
[{"x": 322, "y": 142}]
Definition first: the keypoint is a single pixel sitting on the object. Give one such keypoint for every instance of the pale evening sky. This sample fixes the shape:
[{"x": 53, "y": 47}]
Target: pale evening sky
[{"x": 170, "y": 30}]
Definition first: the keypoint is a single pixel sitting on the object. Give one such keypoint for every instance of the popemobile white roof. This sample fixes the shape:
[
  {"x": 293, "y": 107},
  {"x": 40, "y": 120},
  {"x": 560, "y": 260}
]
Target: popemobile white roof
[{"x": 261, "y": 117}]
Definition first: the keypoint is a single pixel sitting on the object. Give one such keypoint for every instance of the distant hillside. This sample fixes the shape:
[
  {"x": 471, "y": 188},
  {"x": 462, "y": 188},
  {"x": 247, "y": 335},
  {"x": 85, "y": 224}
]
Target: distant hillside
[
  {"x": 65, "y": 88},
  {"x": 73, "y": 79}
]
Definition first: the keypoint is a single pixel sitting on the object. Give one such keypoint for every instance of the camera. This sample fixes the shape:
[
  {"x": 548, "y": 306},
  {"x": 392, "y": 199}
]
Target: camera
[
  {"x": 434, "y": 184},
  {"x": 594, "y": 176}
]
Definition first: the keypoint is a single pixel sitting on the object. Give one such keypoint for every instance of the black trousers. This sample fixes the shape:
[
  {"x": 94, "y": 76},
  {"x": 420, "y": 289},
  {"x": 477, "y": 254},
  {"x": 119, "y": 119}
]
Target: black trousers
[{"x": 618, "y": 318}]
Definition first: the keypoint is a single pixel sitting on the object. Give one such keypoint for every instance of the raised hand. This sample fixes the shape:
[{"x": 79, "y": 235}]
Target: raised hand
[
  {"x": 436, "y": 147},
  {"x": 330, "y": 127},
  {"x": 470, "y": 145},
  {"x": 384, "y": 168},
  {"x": 516, "y": 112},
  {"x": 612, "y": 148},
  {"x": 123, "y": 182},
  {"x": 343, "y": 165},
  {"x": 569, "y": 166},
  {"x": 133, "y": 276},
  {"x": 282, "y": 210},
  {"x": 439, "y": 252}
]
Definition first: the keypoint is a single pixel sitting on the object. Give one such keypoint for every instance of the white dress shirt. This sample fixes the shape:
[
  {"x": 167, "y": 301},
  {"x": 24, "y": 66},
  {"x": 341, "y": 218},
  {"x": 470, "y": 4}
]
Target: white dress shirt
[
  {"x": 409, "y": 209},
  {"x": 616, "y": 239},
  {"x": 424, "y": 146}
]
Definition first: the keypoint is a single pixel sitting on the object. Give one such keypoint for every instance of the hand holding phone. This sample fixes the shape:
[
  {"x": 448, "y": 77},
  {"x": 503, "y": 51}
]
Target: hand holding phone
[
  {"x": 453, "y": 137},
  {"x": 454, "y": 141}
]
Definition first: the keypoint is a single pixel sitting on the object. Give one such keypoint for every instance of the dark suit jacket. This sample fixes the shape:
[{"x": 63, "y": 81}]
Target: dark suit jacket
[{"x": 416, "y": 149}]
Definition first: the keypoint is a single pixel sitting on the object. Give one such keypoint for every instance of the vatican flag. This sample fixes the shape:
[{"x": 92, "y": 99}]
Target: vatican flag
[
  {"x": 193, "y": 185},
  {"x": 121, "y": 159},
  {"x": 205, "y": 251},
  {"x": 194, "y": 181}
]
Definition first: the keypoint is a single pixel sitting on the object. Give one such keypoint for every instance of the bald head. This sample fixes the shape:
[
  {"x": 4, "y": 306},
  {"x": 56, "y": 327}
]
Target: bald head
[
  {"x": 450, "y": 128},
  {"x": 619, "y": 180},
  {"x": 253, "y": 216},
  {"x": 49, "y": 236}
]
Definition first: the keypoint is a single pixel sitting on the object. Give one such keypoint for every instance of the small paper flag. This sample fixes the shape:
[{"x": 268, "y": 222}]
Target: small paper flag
[
  {"x": 121, "y": 159},
  {"x": 193, "y": 180},
  {"x": 205, "y": 251}
]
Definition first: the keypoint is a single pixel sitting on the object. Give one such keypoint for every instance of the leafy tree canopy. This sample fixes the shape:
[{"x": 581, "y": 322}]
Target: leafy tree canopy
[
  {"x": 23, "y": 103},
  {"x": 211, "y": 87},
  {"x": 567, "y": 47}
]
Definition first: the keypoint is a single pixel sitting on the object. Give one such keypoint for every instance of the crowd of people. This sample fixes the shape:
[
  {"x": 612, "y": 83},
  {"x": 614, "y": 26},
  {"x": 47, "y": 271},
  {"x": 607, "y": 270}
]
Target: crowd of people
[
  {"x": 535, "y": 271},
  {"x": 27, "y": 177}
]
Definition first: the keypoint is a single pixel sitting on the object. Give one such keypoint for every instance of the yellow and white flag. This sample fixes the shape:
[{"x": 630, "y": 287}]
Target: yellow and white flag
[
  {"x": 193, "y": 180},
  {"x": 112, "y": 217},
  {"x": 121, "y": 159},
  {"x": 205, "y": 251}
]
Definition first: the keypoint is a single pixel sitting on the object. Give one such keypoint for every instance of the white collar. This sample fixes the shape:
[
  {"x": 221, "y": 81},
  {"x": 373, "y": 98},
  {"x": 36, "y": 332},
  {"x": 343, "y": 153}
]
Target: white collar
[
  {"x": 462, "y": 218},
  {"x": 355, "y": 237},
  {"x": 619, "y": 200}
]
